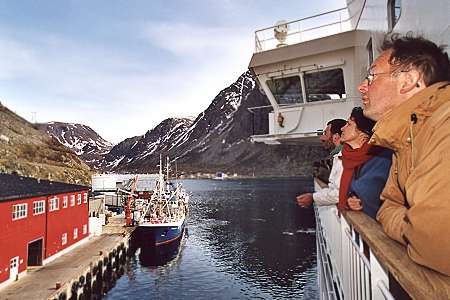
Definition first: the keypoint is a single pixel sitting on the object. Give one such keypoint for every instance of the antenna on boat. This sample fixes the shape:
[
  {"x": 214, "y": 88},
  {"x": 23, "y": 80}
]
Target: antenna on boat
[
  {"x": 176, "y": 172},
  {"x": 167, "y": 167},
  {"x": 280, "y": 32},
  {"x": 161, "y": 179}
]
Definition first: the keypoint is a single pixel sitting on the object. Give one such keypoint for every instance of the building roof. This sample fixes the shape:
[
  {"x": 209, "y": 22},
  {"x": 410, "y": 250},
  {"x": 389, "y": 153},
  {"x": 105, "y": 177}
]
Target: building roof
[{"x": 18, "y": 187}]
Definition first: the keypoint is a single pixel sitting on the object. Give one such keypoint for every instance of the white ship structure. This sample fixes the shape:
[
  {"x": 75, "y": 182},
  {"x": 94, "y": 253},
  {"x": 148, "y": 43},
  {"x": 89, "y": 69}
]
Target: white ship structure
[{"x": 310, "y": 69}]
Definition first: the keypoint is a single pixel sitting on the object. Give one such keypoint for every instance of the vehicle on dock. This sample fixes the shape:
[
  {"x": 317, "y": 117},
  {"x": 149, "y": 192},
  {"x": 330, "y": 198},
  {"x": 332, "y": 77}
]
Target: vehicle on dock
[
  {"x": 220, "y": 176},
  {"x": 309, "y": 69},
  {"x": 164, "y": 216}
]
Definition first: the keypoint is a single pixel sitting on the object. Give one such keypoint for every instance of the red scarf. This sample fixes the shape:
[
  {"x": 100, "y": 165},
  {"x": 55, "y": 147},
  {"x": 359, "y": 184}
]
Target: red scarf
[{"x": 351, "y": 160}]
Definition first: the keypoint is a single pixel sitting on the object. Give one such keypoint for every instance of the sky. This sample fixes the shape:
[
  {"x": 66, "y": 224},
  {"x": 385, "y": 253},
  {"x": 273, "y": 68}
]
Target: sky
[{"x": 121, "y": 67}]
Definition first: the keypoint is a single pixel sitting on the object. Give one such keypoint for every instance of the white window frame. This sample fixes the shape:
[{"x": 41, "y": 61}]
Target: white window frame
[
  {"x": 72, "y": 200},
  {"x": 19, "y": 211},
  {"x": 85, "y": 198},
  {"x": 65, "y": 201},
  {"x": 64, "y": 238},
  {"x": 38, "y": 207},
  {"x": 75, "y": 233},
  {"x": 78, "y": 199},
  {"x": 84, "y": 228},
  {"x": 53, "y": 204}
]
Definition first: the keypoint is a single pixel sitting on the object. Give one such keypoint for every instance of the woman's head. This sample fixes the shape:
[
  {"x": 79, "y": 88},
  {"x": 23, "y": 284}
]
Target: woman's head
[{"x": 358, "y": 129}]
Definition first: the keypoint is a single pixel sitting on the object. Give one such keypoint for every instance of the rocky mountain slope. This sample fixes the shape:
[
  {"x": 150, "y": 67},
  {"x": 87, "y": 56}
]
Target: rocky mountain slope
[
  {"x": 29, "y": 152},
  {"x": 81, "y": 139},
  {"x": 217, "y": 140},
  {"x": 131, "y": 153}
]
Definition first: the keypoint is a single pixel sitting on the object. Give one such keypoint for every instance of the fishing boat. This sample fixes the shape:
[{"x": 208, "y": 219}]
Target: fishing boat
[
  {"x": 309, "y": 69},
  {"x": 164, "y": 215}
]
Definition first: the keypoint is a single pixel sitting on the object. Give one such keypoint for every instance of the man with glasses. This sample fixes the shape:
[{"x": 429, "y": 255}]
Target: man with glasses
[{"x": 407, "y": 91}]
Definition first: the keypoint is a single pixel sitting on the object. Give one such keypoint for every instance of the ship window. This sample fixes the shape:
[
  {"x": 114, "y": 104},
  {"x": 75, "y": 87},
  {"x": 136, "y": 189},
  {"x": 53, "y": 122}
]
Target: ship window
[
  {"x": 369, "y": 48},
  {"x": 286, "y": 90},
  {"x": 324, "y": 85},
  {"x": 394, "y": 9}
]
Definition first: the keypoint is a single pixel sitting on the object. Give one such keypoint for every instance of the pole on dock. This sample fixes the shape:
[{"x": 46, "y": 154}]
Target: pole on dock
[{"x": 128, "y": 207}]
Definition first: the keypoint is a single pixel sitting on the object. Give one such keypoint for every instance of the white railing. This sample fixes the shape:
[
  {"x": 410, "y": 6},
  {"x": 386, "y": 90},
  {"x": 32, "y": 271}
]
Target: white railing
[
  {"x": 347, "y": 268},
  {"x": 305, "y": 29}
]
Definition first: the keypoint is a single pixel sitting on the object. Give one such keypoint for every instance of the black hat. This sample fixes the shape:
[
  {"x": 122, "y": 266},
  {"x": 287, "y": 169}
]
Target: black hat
[{"x": 364, "y": 124}]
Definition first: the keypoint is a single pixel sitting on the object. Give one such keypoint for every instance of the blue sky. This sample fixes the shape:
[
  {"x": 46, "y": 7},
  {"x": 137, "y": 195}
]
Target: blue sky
[{"x": 122, "y": 67}]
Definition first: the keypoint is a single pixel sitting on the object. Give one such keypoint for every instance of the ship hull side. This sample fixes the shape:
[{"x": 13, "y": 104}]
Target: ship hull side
[{"x": 156, "y": 235}]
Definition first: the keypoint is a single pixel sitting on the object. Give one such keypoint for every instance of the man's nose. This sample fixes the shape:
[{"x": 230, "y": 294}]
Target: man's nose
[{"x": 363, "y": 86}]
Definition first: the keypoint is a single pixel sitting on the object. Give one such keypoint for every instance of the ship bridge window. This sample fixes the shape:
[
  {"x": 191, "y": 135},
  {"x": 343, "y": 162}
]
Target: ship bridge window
[
  {"x": 324, "y": 85},
  {"x": 286, "y": 90},
  {"x": 394, "y": 9}
]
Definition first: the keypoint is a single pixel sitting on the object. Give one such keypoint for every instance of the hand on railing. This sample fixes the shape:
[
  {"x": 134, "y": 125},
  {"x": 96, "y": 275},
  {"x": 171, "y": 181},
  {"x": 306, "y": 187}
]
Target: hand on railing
[
  {"x": 305, "y": 200},
  {"x": 354, "y": 203}
]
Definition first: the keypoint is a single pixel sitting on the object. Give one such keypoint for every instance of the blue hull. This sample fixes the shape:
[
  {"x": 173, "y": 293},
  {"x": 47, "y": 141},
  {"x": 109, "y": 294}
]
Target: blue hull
[{"x": 160, "y": 235}]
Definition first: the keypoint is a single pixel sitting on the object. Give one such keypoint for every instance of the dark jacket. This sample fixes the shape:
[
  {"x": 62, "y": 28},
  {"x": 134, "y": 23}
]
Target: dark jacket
[{"x": 368, "y": 182}]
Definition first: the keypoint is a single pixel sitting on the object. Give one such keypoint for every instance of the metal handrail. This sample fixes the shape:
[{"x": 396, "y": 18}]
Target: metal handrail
[
  {"x": 364, "y": 259},
  {"x": 259, "y": 43},
  {"x": 303, "y": 19}
]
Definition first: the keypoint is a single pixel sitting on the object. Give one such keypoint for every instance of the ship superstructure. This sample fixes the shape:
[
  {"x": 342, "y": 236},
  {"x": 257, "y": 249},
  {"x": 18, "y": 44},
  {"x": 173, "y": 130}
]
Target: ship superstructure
[{"x": 310, "y": 69}]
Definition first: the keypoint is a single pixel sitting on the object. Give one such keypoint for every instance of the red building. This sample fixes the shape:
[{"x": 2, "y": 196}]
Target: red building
[{"x": 40, "y": 220}]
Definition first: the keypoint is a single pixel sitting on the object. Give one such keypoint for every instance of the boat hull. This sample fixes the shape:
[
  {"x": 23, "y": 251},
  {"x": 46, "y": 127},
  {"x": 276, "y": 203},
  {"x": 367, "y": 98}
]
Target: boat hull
[{"x": 156, "y": 235}]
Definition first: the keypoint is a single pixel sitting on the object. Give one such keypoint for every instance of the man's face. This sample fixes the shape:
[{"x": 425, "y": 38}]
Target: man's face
[
  {"x": 325, "y": 138},
  {"x": 379, "y": 95}
]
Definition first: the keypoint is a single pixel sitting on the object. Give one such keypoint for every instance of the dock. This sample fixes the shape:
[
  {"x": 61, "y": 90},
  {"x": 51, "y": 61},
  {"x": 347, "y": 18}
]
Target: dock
[{"x": 84, "y": 270}]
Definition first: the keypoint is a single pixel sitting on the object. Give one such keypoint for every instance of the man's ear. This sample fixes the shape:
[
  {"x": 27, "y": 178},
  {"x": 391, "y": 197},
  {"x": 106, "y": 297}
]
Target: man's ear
[
  {"x": 411, "y": 80},
  {"x": 335, "y": 138}
]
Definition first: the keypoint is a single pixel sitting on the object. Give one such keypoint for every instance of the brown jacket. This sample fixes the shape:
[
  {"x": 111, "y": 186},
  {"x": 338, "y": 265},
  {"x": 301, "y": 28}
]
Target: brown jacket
[{"x": 416, "y": 198}]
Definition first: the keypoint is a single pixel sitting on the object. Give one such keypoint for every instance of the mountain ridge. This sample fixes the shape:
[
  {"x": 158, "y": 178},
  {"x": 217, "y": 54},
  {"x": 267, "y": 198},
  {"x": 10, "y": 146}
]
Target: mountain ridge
[
  {"x": 81, "y": 139},
  {"x": 218, "y": 139},
  {"x": 26, "y": 151}
]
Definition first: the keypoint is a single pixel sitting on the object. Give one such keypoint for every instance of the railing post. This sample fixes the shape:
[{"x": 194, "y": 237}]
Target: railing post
[
  {"x": 346, "y": 258},
  {"x": 378, "y": 276}
]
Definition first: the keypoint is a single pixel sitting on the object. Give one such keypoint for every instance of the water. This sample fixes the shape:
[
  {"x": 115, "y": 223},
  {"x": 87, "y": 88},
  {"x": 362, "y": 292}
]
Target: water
[{"x": 245, "y": 239}]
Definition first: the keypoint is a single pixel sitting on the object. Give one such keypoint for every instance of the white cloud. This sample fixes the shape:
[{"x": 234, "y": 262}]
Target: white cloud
[{"x": 115, "y": 94}]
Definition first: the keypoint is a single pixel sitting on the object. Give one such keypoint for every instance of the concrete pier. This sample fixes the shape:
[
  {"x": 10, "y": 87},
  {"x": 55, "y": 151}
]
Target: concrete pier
[{"x": 85, "y": 272}]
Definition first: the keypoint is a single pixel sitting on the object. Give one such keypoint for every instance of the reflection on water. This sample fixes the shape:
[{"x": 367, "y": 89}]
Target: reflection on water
[
  {"x": 153, "y": 257},
  {"x": 247, "y": 239}
]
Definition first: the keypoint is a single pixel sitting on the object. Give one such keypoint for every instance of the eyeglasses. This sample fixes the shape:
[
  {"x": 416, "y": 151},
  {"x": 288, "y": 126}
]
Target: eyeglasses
[{"x": 371, "y": 76}]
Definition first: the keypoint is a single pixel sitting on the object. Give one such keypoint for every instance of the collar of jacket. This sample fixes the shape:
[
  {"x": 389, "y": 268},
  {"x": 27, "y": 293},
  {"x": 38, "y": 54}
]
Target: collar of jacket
[{"x": 392, "y": 130}]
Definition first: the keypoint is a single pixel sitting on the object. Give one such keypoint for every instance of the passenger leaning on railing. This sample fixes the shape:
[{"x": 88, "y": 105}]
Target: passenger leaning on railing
[
  {"x": 330, "y": 142},
  {"x": 407, "y": 91},
  {"x": 329, "y": 195},
  {"x": 366, "y": 167}
]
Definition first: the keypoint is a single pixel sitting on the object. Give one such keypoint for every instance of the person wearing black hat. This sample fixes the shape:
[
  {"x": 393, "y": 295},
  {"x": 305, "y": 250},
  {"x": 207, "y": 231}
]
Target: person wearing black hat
[{"x": 366, "y": 167}]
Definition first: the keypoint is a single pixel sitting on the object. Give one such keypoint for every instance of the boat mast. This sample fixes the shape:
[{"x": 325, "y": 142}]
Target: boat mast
[
  {"x": 161, "y": 178},
  {"x": 167, "y": 168}
]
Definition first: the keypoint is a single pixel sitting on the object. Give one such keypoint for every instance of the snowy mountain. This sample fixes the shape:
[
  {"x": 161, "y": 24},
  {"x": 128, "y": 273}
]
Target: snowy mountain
[
  {"x": 128, "y": 155},
  {"x": 81, "y": 139},
  {"x": 217, "y": 140}
]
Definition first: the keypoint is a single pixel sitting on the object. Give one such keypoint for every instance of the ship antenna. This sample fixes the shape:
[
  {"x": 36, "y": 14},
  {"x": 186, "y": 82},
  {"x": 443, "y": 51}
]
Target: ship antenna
[
  {"x": 176, "y": 172},
  {"x": 167, "y": 167},
  {"x": 161, "y": 180}
]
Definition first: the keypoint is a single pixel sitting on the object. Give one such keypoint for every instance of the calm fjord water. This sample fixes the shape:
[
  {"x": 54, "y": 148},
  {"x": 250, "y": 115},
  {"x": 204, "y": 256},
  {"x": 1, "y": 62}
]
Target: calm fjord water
[{"x": 245, "y": 239}]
